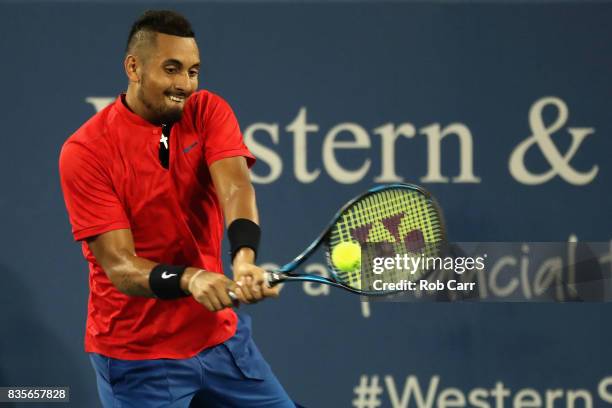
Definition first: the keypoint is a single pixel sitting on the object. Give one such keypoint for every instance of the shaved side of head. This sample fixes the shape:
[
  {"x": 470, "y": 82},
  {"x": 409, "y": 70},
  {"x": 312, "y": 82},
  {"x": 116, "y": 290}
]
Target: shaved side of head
[{"x": 141, "y": 44}]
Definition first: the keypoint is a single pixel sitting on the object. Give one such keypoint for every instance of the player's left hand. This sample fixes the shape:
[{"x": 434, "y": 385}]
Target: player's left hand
[{"x": 252, "y": 282}]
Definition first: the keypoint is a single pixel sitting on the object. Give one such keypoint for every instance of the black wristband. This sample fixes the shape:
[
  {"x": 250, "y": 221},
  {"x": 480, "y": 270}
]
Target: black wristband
[
  {"x": 165, "y": 281},
  {"x": 243, "y": 233}
]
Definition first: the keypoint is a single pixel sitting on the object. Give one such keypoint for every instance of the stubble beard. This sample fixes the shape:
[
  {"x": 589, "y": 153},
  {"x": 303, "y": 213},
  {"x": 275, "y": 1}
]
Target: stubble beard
[{"x": 160, "y": 113}]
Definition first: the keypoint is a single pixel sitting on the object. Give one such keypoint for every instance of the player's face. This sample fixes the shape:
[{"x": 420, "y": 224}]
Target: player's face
[{"x": 169, "y": 76}]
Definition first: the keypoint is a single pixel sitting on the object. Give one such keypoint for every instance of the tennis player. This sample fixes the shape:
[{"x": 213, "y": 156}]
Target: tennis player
[{"x": 147, "y": 183}]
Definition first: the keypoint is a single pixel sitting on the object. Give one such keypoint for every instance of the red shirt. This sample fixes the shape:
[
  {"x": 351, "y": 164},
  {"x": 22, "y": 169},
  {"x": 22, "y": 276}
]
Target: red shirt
[{"x": 112, "y": 179}]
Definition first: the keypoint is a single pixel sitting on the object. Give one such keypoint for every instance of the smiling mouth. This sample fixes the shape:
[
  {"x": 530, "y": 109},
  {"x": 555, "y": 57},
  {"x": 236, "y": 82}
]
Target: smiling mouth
[{"x": 178, "y": 99}]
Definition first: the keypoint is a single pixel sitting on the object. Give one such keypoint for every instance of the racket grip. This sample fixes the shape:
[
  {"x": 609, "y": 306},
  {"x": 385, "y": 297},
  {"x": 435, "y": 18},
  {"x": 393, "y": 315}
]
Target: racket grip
[
  {"x": 273, "y": 279},
  {"x": 234, "y": 298}
]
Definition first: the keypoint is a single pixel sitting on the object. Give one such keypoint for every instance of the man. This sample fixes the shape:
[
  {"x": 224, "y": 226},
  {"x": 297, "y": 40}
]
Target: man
[{"x": 147, "y": 183}]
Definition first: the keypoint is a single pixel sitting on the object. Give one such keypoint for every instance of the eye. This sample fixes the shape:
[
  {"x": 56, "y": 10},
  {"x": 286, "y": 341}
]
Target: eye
[
  {"x": 171, "y": 69},
  {"x": 194, "y": 73}
]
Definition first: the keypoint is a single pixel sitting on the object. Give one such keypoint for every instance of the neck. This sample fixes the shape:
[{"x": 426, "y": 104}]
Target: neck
[{"x": 135, "y": 105}]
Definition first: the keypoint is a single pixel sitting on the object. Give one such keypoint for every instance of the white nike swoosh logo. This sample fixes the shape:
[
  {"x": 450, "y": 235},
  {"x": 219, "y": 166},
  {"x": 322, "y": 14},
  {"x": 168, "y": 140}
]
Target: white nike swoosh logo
[{"x": 167, "y": 275}]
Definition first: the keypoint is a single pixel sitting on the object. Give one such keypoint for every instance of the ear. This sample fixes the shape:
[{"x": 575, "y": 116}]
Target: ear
[{"x": 131, "y": 68}]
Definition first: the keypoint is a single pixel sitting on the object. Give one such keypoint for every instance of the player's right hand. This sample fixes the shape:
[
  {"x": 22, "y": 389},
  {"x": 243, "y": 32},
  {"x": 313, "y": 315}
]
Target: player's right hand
[
  {"x": 252, "y": 281},
  {"x": 211, "y": 289}
]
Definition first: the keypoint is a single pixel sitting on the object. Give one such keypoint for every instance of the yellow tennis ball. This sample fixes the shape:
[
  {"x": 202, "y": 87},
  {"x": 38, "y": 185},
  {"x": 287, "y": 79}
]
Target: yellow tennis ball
[{"x": 346, "y": 256}]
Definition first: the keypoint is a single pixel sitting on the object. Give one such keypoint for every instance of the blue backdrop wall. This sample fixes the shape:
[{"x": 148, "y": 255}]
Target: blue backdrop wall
[{"x": 501, "y": 110}]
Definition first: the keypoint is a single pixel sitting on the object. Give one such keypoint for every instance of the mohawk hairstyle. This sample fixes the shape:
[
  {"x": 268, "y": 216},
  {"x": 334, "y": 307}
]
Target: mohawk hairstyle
[{"x": 158, "y": 21}]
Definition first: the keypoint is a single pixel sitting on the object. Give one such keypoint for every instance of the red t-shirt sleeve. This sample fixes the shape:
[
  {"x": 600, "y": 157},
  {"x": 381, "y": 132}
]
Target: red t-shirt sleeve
[
  {"x": 221, "y": 132},
  {"x": 93, "y": 207}
]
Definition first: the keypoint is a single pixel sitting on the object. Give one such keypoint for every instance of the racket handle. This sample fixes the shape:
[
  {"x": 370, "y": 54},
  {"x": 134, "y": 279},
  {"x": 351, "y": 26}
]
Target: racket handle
[
  {"x": 273, "y": 279},
  {"x": 234, "y": 298}
]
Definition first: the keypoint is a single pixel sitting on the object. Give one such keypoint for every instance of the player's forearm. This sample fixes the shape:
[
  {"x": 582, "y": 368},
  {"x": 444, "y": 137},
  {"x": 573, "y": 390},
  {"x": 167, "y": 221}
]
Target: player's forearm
[
  {"x": 133, "y": 275},
  {"x": 130, "y": 274},
  {"x": 237, "y": 198},
  {"x": 242, "y": 204},
  {"x": 239, "y": 202}
]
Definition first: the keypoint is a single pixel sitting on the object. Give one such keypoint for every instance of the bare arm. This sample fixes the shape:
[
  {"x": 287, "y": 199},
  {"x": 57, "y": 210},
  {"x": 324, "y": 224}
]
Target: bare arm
[
  {"x": 237, "y": 198},
  {"x": 234, "y": 189},
  {"x": 236, "y": 195},
  {"x": 114, "y": 251}
]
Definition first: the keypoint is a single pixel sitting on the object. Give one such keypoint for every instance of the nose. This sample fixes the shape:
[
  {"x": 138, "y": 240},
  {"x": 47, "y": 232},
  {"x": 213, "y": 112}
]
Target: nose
[{"x": 183, "y": 83}]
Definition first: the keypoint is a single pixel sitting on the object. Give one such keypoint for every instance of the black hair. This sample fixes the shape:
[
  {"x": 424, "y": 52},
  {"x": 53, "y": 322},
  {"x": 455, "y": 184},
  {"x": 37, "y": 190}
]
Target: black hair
[{"x": 158, "y": 21}]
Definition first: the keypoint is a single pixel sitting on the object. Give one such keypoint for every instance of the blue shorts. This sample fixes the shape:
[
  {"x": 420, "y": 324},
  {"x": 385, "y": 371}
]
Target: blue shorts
[{"x": 232, "y": 374}]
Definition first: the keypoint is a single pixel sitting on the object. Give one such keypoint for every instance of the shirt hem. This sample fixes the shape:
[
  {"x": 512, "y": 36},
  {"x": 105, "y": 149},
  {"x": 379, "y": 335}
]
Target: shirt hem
[
  {"x": 233, "y": 153},
  {"x": 99, "y": 229},
  {"x": 106, "y": 351}
]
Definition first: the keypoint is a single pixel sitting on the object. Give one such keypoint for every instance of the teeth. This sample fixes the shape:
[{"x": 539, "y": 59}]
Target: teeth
[{"x": 176, "y": 99}]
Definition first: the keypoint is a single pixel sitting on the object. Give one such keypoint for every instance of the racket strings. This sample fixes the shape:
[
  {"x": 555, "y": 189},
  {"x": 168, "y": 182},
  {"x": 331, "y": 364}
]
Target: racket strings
[{"x": 405, "y": 219}]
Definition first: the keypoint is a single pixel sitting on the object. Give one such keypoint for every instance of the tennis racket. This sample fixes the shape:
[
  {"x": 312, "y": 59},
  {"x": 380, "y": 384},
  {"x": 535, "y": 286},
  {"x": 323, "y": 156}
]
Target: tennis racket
[{"x": 404, "y": 217}]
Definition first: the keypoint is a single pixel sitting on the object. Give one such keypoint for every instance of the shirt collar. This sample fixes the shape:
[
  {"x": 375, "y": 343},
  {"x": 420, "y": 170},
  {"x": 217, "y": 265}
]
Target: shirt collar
[{"x": 129, "y": 115}]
